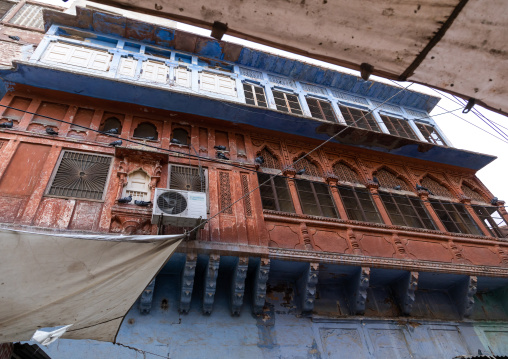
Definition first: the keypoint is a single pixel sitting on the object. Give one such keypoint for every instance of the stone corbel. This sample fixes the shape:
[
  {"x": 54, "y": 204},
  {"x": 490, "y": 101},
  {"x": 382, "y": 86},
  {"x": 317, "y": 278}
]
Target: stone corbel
[
  {"x": 307, "y": 287},
  {"x": 463, "y": 293},
  {"x": 260, "y": 279},
  {"x": 404, "y": 289},
  {"x": 353, "y": 242},
  {"x": 306, "y": 237},
  {"x": 289, "y": 172},
  {"x": 188, "y": 275},
  {"x": 145, "y": 300},
  {"x": 331, "y": 178},
  {"x": 358, "y": 286},
  {"x": 238, "y": 285},
  {"x": 212, "y": 271}
]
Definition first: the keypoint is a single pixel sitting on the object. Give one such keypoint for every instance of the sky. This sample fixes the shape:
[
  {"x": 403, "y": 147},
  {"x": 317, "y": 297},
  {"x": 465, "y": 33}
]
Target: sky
[{"x": 464, "y": 131}]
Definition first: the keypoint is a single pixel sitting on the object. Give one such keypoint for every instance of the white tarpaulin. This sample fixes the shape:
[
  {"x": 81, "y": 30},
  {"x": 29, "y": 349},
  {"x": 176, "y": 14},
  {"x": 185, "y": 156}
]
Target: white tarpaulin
[{"x": 50, "y": 280}]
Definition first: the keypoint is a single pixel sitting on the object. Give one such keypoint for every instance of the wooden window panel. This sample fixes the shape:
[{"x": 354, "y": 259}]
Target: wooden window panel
[
  {"x": 430, "y": 134},
  {"x": 315, "y": 199},
  {"x": 78, "y": 56},
  {"x": 398, "y": 127},
  {"x": 455, "y": 217},
  {"x": 127, "y": 66},
  {"x": 155, "y": 71},
  {"x": 254, "y": 95},
  {"x": 183, "y": 76},
  {"x": 217, "y": 83},
  {"x": 321, "y": 109},
  {"x": 359, "y": 204},
  {"x": 406, "y": 211},
  {"x": 275, "y": 193},
  {"x": 287, "y": 102},
  {"x": 492, "y": 219},
  {"x": 359, "y": 118}
]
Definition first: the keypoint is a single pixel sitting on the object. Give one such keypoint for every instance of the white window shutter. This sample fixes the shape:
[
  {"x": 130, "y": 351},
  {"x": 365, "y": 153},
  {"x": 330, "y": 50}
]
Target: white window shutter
[
  {"x": 100, "y": 60},
  {"x": 183, "y": 77},
  {"x": 128, "y": 66},
  {"x": 80, "y": 56},
  {"x": 226, "y": 85},
  {"x": 58, "y": 52},
  {"x": 208, "y": 82},
  {"x": 155, "y": 71}
]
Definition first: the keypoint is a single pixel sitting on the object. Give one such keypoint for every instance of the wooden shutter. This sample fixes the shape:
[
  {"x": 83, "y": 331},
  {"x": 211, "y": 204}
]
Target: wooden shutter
[
  {"x": 78, "y": 56},
  {"x": 58, "y": 52},
  {"x": 183, "y": 77},
  {"x": 155, "y": 71},
  {"x": 217, "y": 83},
  {"x": 128, "y": 66}
]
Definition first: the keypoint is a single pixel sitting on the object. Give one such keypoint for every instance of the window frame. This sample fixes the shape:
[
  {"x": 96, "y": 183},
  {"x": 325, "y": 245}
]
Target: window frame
[
  {"x": 13, "y": 4},
  {"x": 365, "y": 114},
  {"x": 452, "y": 219},
  {"x": 488, "y": 221},
  {"x": 349, "y": 210},
  {"x": 273, "y": 188},
  {"x": 316, "y": 198},
  {"x": 57, "y": 167},
  {"x": 398, "y": 126},
  {"x": 403, "y": 214},
  {"x": 424, "y": 130},
  {"x": 217, "y": 80},
  {"x": 253, "y": 88},
  {"x": 285, "y": 95},
  {"x": 319, "y": 106}
]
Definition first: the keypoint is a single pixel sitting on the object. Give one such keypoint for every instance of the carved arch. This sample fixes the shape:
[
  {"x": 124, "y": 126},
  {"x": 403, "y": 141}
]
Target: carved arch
[
  {"x": 344, "y": 175},
  {"x": 272, "y": 160},
  {"x": 443, "y": 189},
  {"x": 383, "y": 173},
  {"x": 311, "y": 166}
]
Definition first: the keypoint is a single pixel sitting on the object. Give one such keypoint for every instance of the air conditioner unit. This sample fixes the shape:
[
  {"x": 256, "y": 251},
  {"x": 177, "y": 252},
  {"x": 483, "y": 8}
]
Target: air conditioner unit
[{"x": 178, "y": 208}]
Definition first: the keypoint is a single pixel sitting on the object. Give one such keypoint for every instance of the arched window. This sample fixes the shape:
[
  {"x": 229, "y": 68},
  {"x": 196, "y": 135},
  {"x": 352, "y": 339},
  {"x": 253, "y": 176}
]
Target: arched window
[
  {"x": 310, "y": 168},
  {"x": 112, "y": 123},
  {"x": 181, "y": 136},
  {"x": 389, "y": 180},
  {"x": 146, "y": 130},
  {"x": 270, "y": 160},
  {"x": 138, "y": 186},
  {"x": 471, "y": 193},
  {"x": 345, "y": 173},
  {"x": 435, "y": 188}
]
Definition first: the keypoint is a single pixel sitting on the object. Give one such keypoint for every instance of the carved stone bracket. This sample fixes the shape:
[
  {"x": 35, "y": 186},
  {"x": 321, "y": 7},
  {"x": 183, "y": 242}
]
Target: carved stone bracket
[
  {"x": 463, "y": 294},
  {"x": 358, "y": 286},
  {"x": 188, "y": 275},
  {"x": 212, "y": 271},
  {"x": 145, "y": 300},
  {"x": 404, "y": 289},
  {"x": 289, "y": 171},
  {"x": 238, "y": 285},
  {"x": 260, "y": 279},
  {"x": 307, "y": 287},
  {"x": 355, "y": 245}
]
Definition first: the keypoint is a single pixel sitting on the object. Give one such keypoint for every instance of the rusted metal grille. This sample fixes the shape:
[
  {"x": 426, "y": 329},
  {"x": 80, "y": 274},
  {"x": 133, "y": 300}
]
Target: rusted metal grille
[
  {"x": 472, "y": 193},
  {"x": 310, "y": 168},
  {"x": 246, "y": 200},
  {"x": 187, "y": 178},
  {"x": 389, "y": 180},
  {"x": 435, "y": 188},
  {"x": 254, "y": 95},
  {"x": 287, "y": 102},
  {"x": 29, "y": 16},
  {"x": 81, "y": 175},
  {"x": 345, "y": 173},
  {"x": 270, "y": 160},
  {"x": 225, "y": 193},
  {"x": 359, "y": 118},
  {"x": 321, "y": 109},
  {"x": 430, "y": 134},
  {"x": 398, "y": 127}
]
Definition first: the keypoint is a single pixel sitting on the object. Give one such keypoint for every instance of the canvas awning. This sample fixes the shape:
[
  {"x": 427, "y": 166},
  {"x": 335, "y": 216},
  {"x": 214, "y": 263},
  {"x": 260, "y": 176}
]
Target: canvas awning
[{"x": 89, "y": 281}]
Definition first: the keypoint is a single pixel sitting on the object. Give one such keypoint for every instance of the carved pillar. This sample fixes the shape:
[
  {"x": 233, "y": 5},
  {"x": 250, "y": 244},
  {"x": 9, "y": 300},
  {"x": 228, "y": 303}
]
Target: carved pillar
[
  {"x": 212, "y": 270},
  {"x": 145, "y": 300},
  {"x": 63, "y": 128},
  {"x": 238, "y": 285},
  {"x": 353, "y": 242},
  {"x": 463, "y": 294},
  {"x": 466, "y": 201},
  {"x": 358, "y": 286},
  {"x": 404, "y": 289},
  {"x": 331, "y": 179},
  {"x": 307, "y": 287},
  {"x": 126, "y": 126},
  {"x": 95, "y": 124},
  {"x": 260, "y": 279},
  {"x": 400, "y": 249},
  {"x": 373, "y": 188},
  {"x": 424, "y": 196},
  {"x": 154, "y": 180},
  {"x": 188, "y": 273},
  {"x": 290, "y": 173}
]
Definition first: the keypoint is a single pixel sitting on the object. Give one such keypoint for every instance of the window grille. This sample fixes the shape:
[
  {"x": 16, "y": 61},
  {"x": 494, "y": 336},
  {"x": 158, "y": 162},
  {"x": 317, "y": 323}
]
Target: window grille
[
  {"x": 475, "y": 196},
  {"x": 321, "y": 109},
  {"x": 218, "y": 83},
  {"x": 416, "y": 114},
  {"x": 138, "y": 186},
  {"x": 389, "y": 180},
  {"x": 275, "y": 193},
  {"x": 282, "y": 81},
  {"x": 287, "y": 102},
  {"x": 398, "y": 127},
  {"x": 385, "y": 106},
  {"x": 181, "y": 135},
  {"x": 79, "y": 56},
  {"x": 350, "y": 98},
  {"x": 270, "y": 161},
  {"x": 359, "y": 118},
  {"x": 80, "y": 175},
  {"x": 406, "y": 211},
  {"x": 310, "y": 168},
  {"x": 313, "y": 89},
  {"x": 146, "y": 130},
  {"x": 253, "y": 74},
  {"x": 430, "y": 134},
  {"x": 29, "y": 15},
  {"x": 359, "y": 204},
  {"x": 245, "y": 190},
  {"x": 436, "y": 188},
  {"x": 187, "y": 178},
  {"x": 454, "y": 217},
  {"x": 254, "y": 95},
  {"x": 5, "y": 6},
  {"x": 345, "y": 173},
  {"x": 492, "y": 219},
  {"x": 315, "y": 198},
  {"x": 225, "y": 193}
]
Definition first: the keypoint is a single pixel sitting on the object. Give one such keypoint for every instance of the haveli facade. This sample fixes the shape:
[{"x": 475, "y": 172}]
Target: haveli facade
[{"x": 379, "y": 243}]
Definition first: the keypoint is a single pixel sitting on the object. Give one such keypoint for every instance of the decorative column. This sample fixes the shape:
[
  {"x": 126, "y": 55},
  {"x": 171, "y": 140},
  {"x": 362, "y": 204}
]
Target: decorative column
[
  {"x": 373, "y": 188},
  {"x": 424, "y": 196},
  {"x": 466, "y": 201},
  {"x": 290, "y": 173},
  {"x": 332, "y": 180}
]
